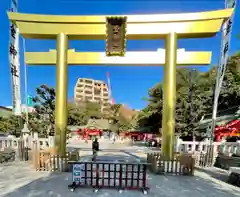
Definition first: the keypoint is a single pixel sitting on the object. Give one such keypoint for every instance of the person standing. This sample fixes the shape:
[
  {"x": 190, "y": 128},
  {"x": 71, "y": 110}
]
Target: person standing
[{"x": 95, "y": 148}]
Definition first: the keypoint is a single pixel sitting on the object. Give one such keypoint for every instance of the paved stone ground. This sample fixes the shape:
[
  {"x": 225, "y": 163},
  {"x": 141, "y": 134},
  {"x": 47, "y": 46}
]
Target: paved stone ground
[
  {"x": 106, "y": 145},
  {"x": 17, "y": 174},
  {"x": 20, "y": 180}
]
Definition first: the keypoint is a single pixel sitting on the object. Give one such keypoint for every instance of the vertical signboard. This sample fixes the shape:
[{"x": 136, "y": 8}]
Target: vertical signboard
[
  {"x": 226, "y": 36},
  {"x": 76, "y": 173},
  {"x": 14, "y": 63},
  {"x": 116, "y": 36},
  {"x": 29, "y": 101}
]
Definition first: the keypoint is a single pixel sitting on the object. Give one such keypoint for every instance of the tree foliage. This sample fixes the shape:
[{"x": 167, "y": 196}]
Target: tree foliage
[
  {"x": 43, "y": 119},
  {"x": 194, "y": 97},
  {"x": 118, "y": 121},
  {"x": 10, "y": 124},
  {"x": 79, "y": 114},
  {"x": 44, "y": 103}
]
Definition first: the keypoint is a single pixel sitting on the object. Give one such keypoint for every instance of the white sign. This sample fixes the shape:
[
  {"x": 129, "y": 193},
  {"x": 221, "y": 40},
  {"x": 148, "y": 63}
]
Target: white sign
[
  {"x": 76, "y": 173},
  {"x": 226, "y": 36},
  {"x": 225, "y": 45},
  {"x": 14, "y": 63}
]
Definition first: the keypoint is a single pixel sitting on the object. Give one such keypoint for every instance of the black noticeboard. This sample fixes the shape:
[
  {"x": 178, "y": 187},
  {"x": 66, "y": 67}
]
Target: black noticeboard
[{"x": 116, "y": 36}]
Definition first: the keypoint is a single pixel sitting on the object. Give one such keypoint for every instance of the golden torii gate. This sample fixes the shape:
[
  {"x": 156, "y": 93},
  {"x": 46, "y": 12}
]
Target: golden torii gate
[
  {"x": 133, "y": 58},
  {"x": 166, "y": 26}
]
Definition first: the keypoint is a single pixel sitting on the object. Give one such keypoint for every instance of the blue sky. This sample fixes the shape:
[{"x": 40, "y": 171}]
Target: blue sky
[{"x": 129, "y": 84}]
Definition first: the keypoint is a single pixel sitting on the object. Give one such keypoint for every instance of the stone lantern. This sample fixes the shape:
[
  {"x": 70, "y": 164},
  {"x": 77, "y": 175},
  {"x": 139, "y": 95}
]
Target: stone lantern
[{"x": 25, "y": 135}]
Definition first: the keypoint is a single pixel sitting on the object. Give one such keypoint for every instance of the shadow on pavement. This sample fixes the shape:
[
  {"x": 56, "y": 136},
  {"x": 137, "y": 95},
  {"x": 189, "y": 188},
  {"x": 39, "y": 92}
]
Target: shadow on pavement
[
  {"x": 139, "y": 159},
  {"x": 164, "y": 186},
  {"x": 215, "y": 173}
]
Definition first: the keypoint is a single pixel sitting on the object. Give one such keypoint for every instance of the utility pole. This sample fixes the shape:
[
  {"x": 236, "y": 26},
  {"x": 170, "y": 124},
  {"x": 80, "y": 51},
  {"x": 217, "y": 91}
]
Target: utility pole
[{"x": 210, "y": 134}]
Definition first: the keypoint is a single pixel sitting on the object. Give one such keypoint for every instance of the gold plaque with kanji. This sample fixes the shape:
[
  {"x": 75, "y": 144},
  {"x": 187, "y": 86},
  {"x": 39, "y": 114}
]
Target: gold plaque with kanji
[{"x": 116, "y": 36}]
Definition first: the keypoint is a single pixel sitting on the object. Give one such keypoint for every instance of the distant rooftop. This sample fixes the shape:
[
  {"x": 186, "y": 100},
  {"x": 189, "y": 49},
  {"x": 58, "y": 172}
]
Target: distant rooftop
[
  {"x": 95, "y": 80},
  {"x": 5, "y": 111}
]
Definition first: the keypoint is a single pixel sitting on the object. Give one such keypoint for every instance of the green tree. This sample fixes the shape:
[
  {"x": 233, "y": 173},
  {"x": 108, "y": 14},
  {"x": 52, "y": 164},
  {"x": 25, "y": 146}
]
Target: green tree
[
  {"x": 80, "y": 114},
  {"x": 151, "y": 116},
  {"x": 92, "y": 110},
  {"x": 190, "y": 109},
  {"x": 76, "y": 115},
  {"x": 38, "y": 123},
  {"x": 44, "y": 103},
  {"x": 118, "y": 122},
  {"x": 11, "y": 125},
  {"x": 4, "y": 125},
  {"x": 191, "y": 92},
  {"x": 230, "y": 92},
  {"x": 43, "y": 119}
]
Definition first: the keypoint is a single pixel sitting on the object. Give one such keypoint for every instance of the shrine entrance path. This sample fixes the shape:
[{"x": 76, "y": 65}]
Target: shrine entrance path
[{"x": 20, "y": 180}]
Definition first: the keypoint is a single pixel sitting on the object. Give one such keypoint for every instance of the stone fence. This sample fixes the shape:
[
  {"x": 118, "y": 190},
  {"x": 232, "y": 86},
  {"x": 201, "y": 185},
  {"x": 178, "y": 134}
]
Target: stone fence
[
  {"x": 225, "y": 148},
  {"x": 14, "y": 142}
]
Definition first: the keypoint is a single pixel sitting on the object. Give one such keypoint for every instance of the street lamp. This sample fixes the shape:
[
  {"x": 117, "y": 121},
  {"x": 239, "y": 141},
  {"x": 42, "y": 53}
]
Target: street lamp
[
  {"x": 24, "y": 143},
  {"x": 25, "y": 134}
]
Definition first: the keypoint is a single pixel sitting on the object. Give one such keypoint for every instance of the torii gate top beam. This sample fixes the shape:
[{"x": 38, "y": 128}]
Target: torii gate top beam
[{"x": 155, "y": 26}]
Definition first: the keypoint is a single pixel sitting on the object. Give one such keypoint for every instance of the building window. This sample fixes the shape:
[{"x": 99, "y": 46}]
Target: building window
[
  {"x": 88, "y": 81},
  {"x": 88, "y": 92},
  {"x": 97, "y": 91},
  {"x": 89, "y": 87}
]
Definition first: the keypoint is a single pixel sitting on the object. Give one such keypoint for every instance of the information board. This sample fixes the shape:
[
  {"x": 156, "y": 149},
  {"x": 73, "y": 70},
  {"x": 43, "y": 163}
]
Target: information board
[{"x": 77, "y": 172}]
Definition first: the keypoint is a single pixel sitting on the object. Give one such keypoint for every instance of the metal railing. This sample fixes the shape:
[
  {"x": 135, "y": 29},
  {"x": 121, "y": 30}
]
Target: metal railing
[{"x": 121, "y": 176}]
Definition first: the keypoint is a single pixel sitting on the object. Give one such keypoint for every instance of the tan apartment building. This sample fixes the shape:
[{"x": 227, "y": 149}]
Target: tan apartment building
[{"x": 91, "y": 90}]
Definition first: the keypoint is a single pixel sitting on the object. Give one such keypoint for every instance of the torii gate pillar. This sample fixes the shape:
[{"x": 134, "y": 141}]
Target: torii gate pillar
[
  {"x": 61, "y": 93},
  {"x": 169, "y": 94}
]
